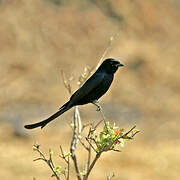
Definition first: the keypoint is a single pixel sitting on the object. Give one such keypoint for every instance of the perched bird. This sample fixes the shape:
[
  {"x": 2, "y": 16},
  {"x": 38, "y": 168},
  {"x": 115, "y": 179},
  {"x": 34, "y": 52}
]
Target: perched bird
[{"x": 95, "y": 87}]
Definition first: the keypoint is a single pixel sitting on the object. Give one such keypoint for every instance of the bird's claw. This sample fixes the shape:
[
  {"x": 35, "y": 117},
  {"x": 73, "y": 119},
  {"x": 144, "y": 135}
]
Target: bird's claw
[{"x": 98, "y": 108}]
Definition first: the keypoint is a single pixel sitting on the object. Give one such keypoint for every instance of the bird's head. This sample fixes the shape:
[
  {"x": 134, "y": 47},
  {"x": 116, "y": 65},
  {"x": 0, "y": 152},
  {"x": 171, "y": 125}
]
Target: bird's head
[{"x": 110, "y": 65}]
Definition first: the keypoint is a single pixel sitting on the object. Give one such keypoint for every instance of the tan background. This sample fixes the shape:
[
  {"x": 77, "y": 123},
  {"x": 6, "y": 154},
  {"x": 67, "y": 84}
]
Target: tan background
[{"x": 38, "y": 38}]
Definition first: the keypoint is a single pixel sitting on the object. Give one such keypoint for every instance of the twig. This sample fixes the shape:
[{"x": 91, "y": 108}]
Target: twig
[
  {"x": 83, "y": 144},
  {"x": 66, "y": 82},
  {"x": 90, "y": 144},
  {"x": 92, "y": 165},
  {"x": 86, "y": 125},
  {"x": 135, "y": 133},
  {"x": 89, "y": 158},
  {"x": 116, "y": 150},
  {"x": 68, "y": 169},
  {"x": 63, "y": 156},
  {"x": 48, "y": 161},
  {"x": 105, "y": 51},
  {"x": 129, "y": 131},
  {"x": 110, "y": 176},
  {"x": 98, "y": 123}
]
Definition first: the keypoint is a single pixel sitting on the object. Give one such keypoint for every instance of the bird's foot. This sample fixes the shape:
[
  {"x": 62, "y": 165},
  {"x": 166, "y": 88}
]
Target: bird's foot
[
  {"x": 98, "y": 108},
  {"x": 96, "y": 103}
]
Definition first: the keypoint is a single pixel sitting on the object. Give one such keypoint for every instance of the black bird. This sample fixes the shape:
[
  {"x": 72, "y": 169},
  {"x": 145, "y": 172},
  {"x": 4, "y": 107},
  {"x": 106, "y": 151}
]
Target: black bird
[{"x": 95, "y": 87}]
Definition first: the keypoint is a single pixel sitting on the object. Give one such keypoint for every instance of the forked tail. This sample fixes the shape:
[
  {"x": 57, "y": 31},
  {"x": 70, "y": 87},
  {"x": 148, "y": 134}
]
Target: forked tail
[{"x": 43, "y": 123}]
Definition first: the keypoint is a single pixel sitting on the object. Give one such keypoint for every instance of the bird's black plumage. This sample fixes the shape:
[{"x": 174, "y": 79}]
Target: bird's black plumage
[{"x": 95, "y": 87}]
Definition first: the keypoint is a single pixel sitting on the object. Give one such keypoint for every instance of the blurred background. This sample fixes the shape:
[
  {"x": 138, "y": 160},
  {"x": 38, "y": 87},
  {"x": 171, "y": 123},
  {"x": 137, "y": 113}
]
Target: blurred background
[{"x": 39, "y": 38}]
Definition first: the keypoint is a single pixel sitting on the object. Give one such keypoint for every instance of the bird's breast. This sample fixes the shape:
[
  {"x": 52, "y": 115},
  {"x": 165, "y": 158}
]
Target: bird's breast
[
  {"x": 100, "y": 89},
  {"x": 95, "y": 87}
]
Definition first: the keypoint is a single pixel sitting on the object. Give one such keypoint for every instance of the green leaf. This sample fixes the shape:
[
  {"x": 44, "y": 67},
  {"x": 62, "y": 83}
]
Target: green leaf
[
  {"x": 63, "y": 171},
  {"x": 34, "y": 148},
  {"x": 67, "y": 154},
  {"x": 57, "y": 169}
]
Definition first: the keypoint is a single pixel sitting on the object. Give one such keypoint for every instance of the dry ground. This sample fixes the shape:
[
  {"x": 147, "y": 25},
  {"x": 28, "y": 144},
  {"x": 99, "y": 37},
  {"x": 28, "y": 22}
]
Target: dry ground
[{"x": 38, "y": 38}]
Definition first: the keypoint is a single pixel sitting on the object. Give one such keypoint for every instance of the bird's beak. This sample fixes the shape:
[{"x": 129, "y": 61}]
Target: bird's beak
[{"x": 118, "y": 65}]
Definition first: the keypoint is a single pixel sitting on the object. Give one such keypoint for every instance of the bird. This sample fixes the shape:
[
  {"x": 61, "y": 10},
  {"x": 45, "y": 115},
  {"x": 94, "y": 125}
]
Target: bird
[{"x": 90, "y": 92}]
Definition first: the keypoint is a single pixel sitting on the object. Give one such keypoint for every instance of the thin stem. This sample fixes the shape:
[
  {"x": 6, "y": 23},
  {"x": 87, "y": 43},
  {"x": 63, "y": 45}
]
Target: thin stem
[
  {"x": 90, "y": 144},
  {"x": 102, "y": 114},
  {"x": 68, "y": 169},
  {"x": 76, "y": 166},
  {"x": 129, "y": 131},
  {"x": 82, "y": 143},
  {"x": 48, "y": 161},
  {"x": 62, "y": 155},
  {"x": 105, "y": 51},
  {"x": 89, "y": 158},
  {"x": 92, "y": 165},
  {"x": 98, "y": 123},
  {"x": 74, "y": 144},
  {"x": 110, "y": 176}
]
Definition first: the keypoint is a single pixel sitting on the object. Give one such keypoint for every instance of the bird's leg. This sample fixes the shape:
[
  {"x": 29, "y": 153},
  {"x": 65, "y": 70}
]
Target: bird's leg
[
  {"x": 96, "y": 103},
  {"x": 99, "y": 108}
]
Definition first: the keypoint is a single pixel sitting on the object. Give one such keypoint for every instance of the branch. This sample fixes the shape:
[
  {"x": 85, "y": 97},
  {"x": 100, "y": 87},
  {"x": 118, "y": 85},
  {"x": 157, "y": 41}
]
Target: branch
[
  {"x": 49, "y": 161},
  {"x": 92, "y": 165},
  {"x": 74, "y": 142},
  {"x": 66, "y": 159},
  {"x": 77, "y": 128}
]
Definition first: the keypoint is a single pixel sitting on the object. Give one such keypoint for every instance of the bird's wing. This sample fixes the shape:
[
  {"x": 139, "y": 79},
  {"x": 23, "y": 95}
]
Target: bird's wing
[{"x": 91, "y": 84}]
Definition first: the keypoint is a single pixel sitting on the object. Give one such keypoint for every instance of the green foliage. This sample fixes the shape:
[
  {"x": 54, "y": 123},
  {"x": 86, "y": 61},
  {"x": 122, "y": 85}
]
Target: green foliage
[{"x": 111, "y": 137}]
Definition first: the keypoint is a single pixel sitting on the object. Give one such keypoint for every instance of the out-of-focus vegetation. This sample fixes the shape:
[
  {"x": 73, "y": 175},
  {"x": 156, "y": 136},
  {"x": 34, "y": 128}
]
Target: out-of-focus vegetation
[{"x": 39, "y": 38}]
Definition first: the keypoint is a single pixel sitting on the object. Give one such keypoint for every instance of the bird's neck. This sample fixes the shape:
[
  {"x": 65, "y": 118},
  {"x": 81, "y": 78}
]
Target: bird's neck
[{"x": 104, "y": 71}]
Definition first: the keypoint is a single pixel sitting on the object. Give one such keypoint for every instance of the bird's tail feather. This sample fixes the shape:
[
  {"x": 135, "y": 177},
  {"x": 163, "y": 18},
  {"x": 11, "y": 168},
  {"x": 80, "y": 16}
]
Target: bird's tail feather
[{"x": 43, "y": 123}]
